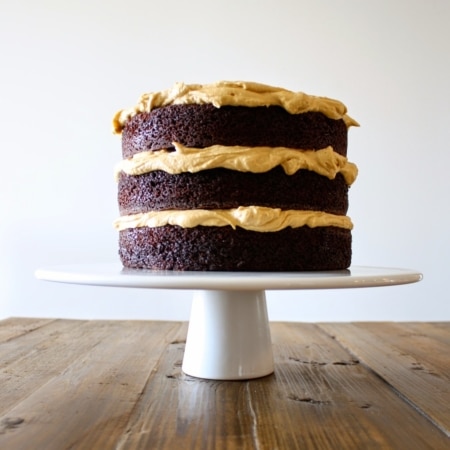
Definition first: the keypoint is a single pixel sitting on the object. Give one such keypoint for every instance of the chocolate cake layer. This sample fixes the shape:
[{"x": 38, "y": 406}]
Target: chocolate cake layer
[
  {"x": 225, "y": 189},
  {"x": 205, "y": 125},
  {"x": 225, "y": 249}
]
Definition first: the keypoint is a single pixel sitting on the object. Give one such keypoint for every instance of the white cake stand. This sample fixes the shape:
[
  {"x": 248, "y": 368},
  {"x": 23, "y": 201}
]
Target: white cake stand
[{"x": 228, "y": 336}]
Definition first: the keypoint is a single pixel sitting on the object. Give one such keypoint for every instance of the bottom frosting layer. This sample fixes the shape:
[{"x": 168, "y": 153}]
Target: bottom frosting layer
[{"x": 224, "y": 249}]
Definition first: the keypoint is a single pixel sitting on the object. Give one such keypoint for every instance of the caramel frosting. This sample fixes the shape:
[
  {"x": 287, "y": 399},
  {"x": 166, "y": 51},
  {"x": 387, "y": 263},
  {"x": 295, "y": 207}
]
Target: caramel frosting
[
  {"x": 238, "y": 93},
  {"x": 254, "y": 218},
  {"x": 325, "y": 162}
]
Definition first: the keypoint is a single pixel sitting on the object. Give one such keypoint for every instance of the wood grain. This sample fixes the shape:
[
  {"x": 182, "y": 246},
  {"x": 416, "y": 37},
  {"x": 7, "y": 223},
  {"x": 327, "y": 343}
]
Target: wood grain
[
  {"x": 118, "y": 385},
  {"x": 85, "y": 380},
  {"x": 15, "y": 327},
  {"x": 408, "y": 359}
]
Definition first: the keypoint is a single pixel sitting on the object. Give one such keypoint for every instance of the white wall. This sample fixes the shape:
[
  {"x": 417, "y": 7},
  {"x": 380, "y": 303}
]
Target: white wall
[{"x": 66, "y": 67}]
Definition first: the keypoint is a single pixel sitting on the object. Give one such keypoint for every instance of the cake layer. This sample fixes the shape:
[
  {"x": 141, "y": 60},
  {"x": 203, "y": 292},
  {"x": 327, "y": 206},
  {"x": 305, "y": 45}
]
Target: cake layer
[
  {"x": 225, "y": 189},
  {"x": 205, "y": 125},
  {"x": 227, "y": 249}
]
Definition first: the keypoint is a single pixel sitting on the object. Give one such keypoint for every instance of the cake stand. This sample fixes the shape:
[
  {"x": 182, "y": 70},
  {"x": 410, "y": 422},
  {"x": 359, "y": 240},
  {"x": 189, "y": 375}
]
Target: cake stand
[{"x": 228, "y": 336}]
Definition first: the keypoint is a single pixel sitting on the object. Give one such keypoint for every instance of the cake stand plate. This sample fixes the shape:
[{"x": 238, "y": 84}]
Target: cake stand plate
[{"x": 229, "y": 335}]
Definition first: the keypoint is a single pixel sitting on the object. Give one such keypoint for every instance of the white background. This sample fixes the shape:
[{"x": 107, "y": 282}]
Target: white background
[{"x": 66, "y": 67}]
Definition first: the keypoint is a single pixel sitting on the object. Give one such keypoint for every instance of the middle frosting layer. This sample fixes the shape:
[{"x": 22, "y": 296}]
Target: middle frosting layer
[
  {"x": 252, "y": 218},
  {"x": 325, "y": 162}
]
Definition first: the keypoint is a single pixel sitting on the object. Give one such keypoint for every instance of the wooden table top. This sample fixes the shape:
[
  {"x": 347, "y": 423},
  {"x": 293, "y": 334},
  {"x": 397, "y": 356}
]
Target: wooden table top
[{"x": 68, "y": 384}]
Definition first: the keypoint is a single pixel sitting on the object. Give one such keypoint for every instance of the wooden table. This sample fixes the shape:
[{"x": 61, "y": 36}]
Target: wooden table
[{"x": 67, "y": 384}]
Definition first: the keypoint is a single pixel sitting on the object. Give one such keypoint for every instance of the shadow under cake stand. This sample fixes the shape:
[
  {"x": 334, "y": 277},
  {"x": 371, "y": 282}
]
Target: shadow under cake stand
[{"x": 228, "y": 336}]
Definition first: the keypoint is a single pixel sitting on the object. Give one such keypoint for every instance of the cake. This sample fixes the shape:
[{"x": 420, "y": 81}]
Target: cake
[{"x": 234, "y": 176}]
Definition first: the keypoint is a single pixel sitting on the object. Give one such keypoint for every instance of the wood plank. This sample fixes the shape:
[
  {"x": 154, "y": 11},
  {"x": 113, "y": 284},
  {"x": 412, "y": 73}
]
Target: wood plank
[
  {"x": 434, "y": 330},
  {"x": 367, "y": 413},
  {"x": 33, "y": 359},
  {"x": 421, "y": 379},
  {"x": 15, "y": 326},
  {"x": 431, "y": 350},
  {"x": 86, "y": 402},
  {"x": 320, "y": 398}
]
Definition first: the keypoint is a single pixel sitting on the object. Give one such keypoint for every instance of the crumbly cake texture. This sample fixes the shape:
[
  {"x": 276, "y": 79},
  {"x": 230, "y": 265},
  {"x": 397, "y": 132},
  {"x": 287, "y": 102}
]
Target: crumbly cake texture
[
  {"x": 209, "y": 247},
  {"x": 225, "y": 249},
  {"x": 226, "y": 189},
  {"x": 206, "y": 125}
]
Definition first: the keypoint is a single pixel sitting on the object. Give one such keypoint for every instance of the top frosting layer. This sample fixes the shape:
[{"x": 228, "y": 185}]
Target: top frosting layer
[{"x": 238, "y": 93}]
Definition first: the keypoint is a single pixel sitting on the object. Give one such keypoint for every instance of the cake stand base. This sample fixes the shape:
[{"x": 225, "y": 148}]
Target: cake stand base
[{"x": 228, "y": 336}]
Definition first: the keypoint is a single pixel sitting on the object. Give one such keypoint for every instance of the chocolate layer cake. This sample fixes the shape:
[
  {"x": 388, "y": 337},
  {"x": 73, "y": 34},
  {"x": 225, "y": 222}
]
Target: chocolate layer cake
[{"x": 234, "y": 177}]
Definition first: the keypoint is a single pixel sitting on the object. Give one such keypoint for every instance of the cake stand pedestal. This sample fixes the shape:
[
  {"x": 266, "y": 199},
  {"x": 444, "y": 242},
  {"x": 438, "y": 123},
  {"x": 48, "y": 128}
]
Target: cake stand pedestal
[{"x": 229, "y": 335}]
